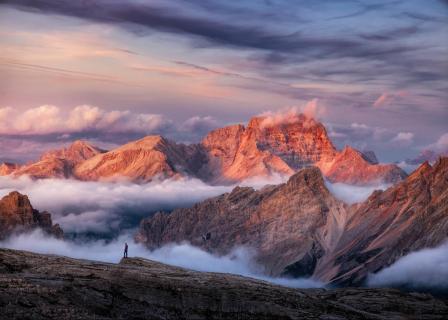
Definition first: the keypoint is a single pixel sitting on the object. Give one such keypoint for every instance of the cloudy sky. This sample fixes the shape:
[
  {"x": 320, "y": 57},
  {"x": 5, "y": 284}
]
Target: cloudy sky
[{"x": 116, "y": 70}]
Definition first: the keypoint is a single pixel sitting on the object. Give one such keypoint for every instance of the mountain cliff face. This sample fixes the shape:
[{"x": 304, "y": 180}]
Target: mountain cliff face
[
  {"x": 300, "y": 229},
  {"x": 226, "y": 155},
  {"x": 283, "y": 223},
  {"x": 140, "y": 161},
  {"x": 59, "y": 163},
  {"x": 234, "y": 155},
  {"x": 17, "y": 215},
  {"x": 352, "y": 167},
  {"x": 409, "y": 216},
  {"x": 264, "y": 148},
  {"x": 36, "y": 286}
]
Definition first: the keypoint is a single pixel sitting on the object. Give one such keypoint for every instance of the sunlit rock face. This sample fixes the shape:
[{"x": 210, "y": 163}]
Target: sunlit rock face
[
  {"x": 139, "y": 161},
  {"x": 299, "y": 228},
  {"x": 352, "y": 167},
  {"x": 233, "y": 155},
  {"x": 6, "y": 168},
  {"x": 17, "y": 215},
  {"x": 264, "y": 148},
  {"x": 59, "y": 163}
]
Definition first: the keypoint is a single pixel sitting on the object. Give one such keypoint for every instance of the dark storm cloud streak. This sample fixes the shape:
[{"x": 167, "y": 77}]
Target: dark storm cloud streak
[
  {"x": 131, "y": 16},
  {"x": 63, "y": 72}
]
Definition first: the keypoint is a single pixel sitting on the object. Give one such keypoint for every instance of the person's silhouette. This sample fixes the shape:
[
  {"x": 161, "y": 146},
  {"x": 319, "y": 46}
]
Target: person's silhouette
[{"x": 125, "y": 254}]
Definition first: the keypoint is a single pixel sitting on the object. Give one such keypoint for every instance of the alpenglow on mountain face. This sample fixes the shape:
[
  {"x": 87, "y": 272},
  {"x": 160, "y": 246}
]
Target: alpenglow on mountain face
[{"x": 226, "y": 155}]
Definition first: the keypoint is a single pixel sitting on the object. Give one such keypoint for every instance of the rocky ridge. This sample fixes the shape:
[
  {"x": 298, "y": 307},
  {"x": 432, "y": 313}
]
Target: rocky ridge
[
  {"x": 300, "y": 229},
  {"x": 35, "y": 286},
  {"x": 225, "y": 156},
  {"x": 409, "y": 216},
  {"x": 59, "y": 163}
]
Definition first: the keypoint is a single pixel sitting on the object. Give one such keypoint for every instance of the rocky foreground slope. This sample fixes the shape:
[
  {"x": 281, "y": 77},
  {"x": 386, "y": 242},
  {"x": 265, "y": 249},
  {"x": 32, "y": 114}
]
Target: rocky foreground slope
[
  {"x": 300, "y": 229},
  {"x": 17, "y": 215},
  {"x": 227, "y": 155},
  {"x": 34, "y": 286}
]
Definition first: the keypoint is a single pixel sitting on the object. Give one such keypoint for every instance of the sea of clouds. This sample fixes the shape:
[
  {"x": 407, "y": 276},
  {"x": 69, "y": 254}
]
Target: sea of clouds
[
  {"x": 111, "y": 211},
  {"x": 110, "y": 207}
]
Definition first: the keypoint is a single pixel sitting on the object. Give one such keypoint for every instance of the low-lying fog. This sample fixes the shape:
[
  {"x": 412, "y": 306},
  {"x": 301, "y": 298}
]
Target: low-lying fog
[
  {"x": 184, "y": 255},
  {"x": 110, "y": 212},
  {"x": 106, "y": 209}
]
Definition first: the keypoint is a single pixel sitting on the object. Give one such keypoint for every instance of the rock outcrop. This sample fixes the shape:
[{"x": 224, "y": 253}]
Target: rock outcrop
[
  {"x": 284, "y": 223},
  {"x": 300, "y": 229},
  {"x": 17, "y": 215},
  {"x": 59, "y": 163},
  {"x": 34, "y": 286}
]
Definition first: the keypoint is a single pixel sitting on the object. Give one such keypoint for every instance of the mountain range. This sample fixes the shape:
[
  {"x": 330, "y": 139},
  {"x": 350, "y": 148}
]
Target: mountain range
[
  {"x": 295, "y": 229},
  {"x": 300, "y": 229},
  {"x": 226, "y": 155}
]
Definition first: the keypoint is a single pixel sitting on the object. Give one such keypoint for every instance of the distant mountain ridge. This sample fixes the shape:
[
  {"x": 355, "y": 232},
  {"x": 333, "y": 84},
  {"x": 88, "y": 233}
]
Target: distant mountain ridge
[{"x": 226, "y": 155}]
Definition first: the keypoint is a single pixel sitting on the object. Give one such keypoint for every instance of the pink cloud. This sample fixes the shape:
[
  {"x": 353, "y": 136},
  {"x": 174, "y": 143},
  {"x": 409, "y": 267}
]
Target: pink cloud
[
  {"x": 312, "y": 110},
  {"x": 48, "y": 119}
]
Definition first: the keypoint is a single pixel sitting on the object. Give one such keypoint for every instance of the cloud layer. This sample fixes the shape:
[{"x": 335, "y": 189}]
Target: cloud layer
[
  {"x": 424, "y": 269},
  {"x": 105, "y": 208},
  {"x": 48, "y": 119},
  {"x": 352, "y": 194}
]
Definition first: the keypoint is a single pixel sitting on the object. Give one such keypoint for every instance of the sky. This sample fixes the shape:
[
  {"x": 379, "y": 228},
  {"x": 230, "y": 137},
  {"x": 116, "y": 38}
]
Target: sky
[{"x": 113, "y": 71}]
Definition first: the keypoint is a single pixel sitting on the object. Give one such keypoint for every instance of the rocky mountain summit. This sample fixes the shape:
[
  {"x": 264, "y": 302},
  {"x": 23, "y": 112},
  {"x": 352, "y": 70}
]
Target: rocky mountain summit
[
  {"x": 300, "y": 229},
  {"x": 17, "y": 215},
  {"x": 282, "y": 223},
  {"x": 227, "y": 155},
  {"x": 35, "y": 286}
]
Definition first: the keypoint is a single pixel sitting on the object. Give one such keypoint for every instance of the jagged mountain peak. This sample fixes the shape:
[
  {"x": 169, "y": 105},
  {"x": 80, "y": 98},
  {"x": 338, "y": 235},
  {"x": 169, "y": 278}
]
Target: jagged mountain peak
[
  {"x": 18, "y": 215},
  {"x": 269, "y": 145}
]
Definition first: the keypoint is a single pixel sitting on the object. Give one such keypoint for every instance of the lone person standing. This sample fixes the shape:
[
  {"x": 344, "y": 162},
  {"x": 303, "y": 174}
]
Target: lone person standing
[{"x": 125, "y": 254}]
